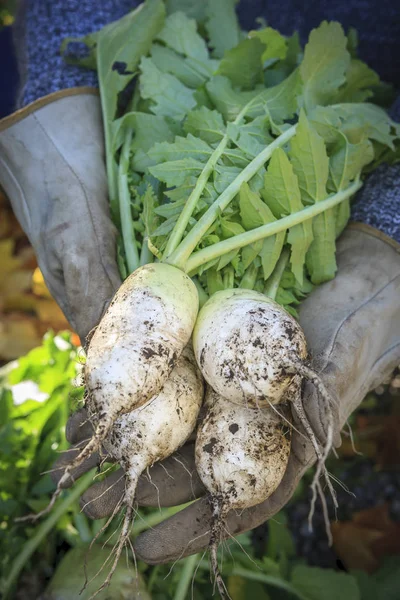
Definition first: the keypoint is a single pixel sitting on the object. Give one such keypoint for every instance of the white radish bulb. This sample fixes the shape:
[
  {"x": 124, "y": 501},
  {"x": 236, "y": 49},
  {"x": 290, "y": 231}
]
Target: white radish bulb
[
  {"x": 241, "y": 457},
  {"x": 134, "y": 349},
  {"x": 243, "y": 341},
  {"x": 143, "y": 332},
  {"x": 153, "y": 432}
]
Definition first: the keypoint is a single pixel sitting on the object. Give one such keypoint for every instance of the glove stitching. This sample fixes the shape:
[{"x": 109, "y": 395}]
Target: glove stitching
[
  {"x": 84, "y": 193},
  {"x": 348, "y": 317}
]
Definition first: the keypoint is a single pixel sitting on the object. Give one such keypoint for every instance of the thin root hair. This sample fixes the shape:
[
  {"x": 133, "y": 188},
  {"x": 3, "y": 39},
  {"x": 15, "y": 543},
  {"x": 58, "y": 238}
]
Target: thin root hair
[
  {"x": 96, "y": 537},
  {"x": 155, "y": 486},
  {"x": 236, "y": 541},
  {"x": 195, "y": 573},
  {"x": 184, "y": 550},
  {"x": 188, "y": 472},
  {"x": 102, "y": 494},
  {"x": 325, "y": 514},
  {"x": 299, "y": 410},
  {"x": 351, "y": 435},
  {"x": 92, "y": 446},
  {"x": 120, "y": 544}
]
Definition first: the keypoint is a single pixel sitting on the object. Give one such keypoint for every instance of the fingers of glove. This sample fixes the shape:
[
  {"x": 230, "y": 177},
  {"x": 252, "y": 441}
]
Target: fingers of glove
[
  {"x": 316, "y": 409},
  {"x": 65, "y": 459},
  {"x": 170, "y": 483},
  {"x": 78, "y": 428},
  {"x": 102, "y": 497},
  {"x": 188, "y": 531}
]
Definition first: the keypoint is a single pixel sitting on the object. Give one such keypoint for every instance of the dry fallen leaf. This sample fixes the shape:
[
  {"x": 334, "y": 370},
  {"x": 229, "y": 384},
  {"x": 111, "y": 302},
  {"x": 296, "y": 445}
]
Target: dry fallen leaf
[
  {"x": 376, "y": 437},
  {"x": 363, "y": 542},
  {"x": 27, "y": 309}
]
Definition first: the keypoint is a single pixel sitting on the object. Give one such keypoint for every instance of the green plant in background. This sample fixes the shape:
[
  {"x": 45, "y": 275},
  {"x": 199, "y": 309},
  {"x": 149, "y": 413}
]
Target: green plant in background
[
  {"x": 8, "y": 8},
  {"x": 37, "y": 394}
]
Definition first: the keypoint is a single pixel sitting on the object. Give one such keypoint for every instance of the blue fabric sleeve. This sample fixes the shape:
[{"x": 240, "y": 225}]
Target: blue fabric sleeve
[{"x": 47, "y": 22}]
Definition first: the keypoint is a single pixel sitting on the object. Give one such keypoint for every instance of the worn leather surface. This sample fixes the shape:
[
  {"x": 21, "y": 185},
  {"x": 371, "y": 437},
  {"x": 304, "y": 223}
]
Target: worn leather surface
[{"x": 52, "y": 169}]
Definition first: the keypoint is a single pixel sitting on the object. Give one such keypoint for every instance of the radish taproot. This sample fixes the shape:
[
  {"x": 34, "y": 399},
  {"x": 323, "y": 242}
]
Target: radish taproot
[
  {"x": 134, "y": 349},
  {"x": 151, "y": 433},
  {"x": 241, "y": 457}
]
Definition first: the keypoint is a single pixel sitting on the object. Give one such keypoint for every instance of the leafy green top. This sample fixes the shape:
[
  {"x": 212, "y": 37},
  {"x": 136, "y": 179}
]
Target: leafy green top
[{"x": 201, "y": 127}]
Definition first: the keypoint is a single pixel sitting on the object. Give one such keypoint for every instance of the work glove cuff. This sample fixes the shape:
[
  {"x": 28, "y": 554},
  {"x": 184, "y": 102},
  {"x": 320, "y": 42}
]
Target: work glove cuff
[
  {"x": 52, "y": 169},
  {"x": 352, "y": 324}
]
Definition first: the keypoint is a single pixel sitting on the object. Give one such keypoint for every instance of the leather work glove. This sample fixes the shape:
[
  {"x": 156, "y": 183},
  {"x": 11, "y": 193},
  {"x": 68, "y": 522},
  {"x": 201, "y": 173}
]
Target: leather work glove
[
  {"x": 352, "y": 326},
  {"x": 52, "y": 170}
]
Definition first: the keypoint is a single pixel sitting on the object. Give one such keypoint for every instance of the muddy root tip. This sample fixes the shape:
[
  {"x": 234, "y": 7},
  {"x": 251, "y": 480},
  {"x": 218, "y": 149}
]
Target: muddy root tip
[
  {"x": 92, "y": 446},
  {"x": 33, "y": 517},
  {"x": 122, "y": 539},
  {"x": 218, "y": 579}
]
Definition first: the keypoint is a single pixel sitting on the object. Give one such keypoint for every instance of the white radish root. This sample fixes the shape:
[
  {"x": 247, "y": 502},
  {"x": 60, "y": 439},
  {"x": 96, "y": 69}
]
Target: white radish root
[
  {"x": 134, "y": 349},
  {"x": 252, "y": 352},
  {"x": 151, "y": 433},
  {"x": 241, "y": 340},
  {"x": 241, "y": 457}
]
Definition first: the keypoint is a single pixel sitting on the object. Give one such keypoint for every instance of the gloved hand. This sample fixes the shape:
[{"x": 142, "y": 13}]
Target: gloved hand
[
  {"x": 52, "y": 170},
  {"x": 352, "y": 325}
]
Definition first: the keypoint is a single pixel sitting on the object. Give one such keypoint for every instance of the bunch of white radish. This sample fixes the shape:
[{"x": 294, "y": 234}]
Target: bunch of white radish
[
  {"x": 252, "y": 354},
  {"x": 134, "y": 353},
  {"x": 227, "y": 196}
]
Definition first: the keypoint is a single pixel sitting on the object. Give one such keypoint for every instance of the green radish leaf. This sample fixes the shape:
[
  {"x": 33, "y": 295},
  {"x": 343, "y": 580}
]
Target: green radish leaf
[
  {"x": 310, "y": 161},
  {"x": 311, "y": 165},
  {"x": 315, "y": 583},
  {"x": 226, "y": 259},
  {"x": 250, "y": 252},
  {"x": 326, "y": 123},
  {"x": 230, "y": 229},
  {"x": 282, "y": 195},
  {"x": 148, "y": 129},
  {"x": 190, "y": 72},
  {"x": 254, "y": 213},
  {"x": 180, "y": 34},
  {"x": 214, "y": 281},
  {"x": 324, "y": 66},
  {"x": 347, "y": 161},
  {"x": 228, "y": 101},
  {"x": 285, "y": 297},
  {"x": 242, "y": 64},
  {"x": 169, "y": 96},
  {"x": 192, "y": 8},
  {"x": 118, "y": 48},
  {"x": 165, "y": 228},
  {"x": 345, "y": 164},
  {"x": 170, "y": 209},
  {"x": 235, "y": 157},
  {"x": 149, "y": 216},
  {"x": 174, "y": 173},
  {"x": 181, "y": 193},
  {"x": 251, "y": 137},
  {"x": 280, "y": 102},
  {"x": 206, "y": 124},
  {"x": 182, "y": 147},
  {"x": 222, "y": 26},
  {"x": 359, "y": 81},
  {"x": 88, "y": 61},
  {"x": 271, "y": 251},
  {"x": 224, "y": 175},
  {"x": 275, "y": 44},
  {"x": 366, "y": 120}
]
